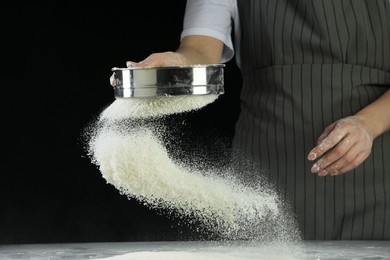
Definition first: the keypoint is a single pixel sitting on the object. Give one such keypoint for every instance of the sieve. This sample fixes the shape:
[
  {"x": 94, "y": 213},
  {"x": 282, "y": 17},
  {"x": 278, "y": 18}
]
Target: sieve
[{"x": 168, "y": 81}]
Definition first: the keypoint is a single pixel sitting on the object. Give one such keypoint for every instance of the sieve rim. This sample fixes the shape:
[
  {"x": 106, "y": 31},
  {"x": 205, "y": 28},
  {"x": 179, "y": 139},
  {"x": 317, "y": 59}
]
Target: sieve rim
[{"x": 169, "y": 81}]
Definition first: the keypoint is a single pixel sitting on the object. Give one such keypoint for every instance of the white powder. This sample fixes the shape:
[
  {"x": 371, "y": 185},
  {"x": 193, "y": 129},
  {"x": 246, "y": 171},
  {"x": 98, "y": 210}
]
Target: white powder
[
  {"x": 224, "y": 254},
  {"x": 134, "y": 160},
  {"x": 123, "y": 108},
  {"x": 172, "y": 255}
]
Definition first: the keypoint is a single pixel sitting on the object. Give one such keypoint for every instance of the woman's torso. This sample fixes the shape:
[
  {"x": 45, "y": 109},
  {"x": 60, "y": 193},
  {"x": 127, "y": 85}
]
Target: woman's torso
[{"x": 306, "y": 64}]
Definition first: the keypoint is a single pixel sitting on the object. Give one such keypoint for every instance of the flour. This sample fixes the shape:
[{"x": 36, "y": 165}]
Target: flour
[
  {"x": 181, "y": 255},
  {"x": 158, "y": 106},
  {"x": 172, "y": 255},
  {"x": 132, "y": 157}
]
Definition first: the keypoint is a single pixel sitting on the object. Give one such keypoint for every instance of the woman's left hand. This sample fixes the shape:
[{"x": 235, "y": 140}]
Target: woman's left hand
[{"x": 343, "y": 146}]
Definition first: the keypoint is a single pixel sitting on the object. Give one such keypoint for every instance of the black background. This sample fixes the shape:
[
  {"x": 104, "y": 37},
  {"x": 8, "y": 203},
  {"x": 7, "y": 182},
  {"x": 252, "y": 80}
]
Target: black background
[{"x": 61, "y": 54}]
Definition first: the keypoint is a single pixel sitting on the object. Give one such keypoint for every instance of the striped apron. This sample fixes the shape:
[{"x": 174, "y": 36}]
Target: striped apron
[{"x": 306, "y": 64}]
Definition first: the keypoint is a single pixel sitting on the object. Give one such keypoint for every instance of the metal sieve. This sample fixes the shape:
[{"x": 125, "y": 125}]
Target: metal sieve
[{"x": 168, "y": 81}]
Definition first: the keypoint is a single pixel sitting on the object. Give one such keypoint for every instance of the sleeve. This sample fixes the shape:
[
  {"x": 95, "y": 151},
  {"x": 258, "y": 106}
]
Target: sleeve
[{"x": 211, "y": 18}]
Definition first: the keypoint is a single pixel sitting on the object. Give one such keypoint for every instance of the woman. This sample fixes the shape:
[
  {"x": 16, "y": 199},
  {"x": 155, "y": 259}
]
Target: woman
[{"x": 316, "y": 78}]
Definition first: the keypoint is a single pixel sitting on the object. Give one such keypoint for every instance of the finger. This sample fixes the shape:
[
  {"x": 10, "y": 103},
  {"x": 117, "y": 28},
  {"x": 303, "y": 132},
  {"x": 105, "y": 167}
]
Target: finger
[
  {"x": 354, "y": 163},
  {"x": 143, "y": 63},
  {"x": 112, "y": 80},
  {"x": 342, "y": 148},
  {"x": 131, "y": 64},
  {"x": 326, "y": 132},
  {"x": 153, "y": 60},
  {"x": 334, "y": 168},
  {"x": 330, "y": 141},
  {"x": 312, "y": 155}
]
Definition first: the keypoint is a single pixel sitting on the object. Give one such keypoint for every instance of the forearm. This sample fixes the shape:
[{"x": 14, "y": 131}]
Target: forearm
[
  {"x": 377, "y": 115},
  {"x": 200, "y": 50}
]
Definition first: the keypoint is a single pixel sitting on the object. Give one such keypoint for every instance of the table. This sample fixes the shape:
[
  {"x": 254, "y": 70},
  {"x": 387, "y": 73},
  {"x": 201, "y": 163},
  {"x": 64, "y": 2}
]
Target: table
[{"x": 200, "y": 250}]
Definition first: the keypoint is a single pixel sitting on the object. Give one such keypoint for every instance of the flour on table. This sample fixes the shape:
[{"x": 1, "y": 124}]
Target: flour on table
[{"x": 173, "y": 255}]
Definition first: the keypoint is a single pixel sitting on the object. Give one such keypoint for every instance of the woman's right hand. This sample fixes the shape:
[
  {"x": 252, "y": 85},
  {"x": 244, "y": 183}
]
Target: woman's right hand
[
  {"x": 161, "y": 59},
  {"x": 193, "y": 49}
]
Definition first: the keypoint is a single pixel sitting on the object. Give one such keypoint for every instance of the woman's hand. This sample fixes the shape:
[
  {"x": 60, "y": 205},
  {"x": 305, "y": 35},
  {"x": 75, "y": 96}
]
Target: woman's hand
[
  {"x": 343, "y": 145},
  {"x": 194, "y": 49},
  {"x": 162, "y": 59}
]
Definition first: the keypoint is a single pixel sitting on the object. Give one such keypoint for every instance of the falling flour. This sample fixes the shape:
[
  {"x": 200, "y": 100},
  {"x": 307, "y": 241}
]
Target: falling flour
[
  {"x": 132, "y": 158},
  {"x": 154, "y": 106}
]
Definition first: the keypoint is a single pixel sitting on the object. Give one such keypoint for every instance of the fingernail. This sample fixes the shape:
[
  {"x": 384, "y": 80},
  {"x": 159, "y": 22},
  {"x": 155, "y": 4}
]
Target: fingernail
[
  {"x": 312, "y": 156},
  {"x": 112, "y": 81},
  {"x": 315, "y": 168}
]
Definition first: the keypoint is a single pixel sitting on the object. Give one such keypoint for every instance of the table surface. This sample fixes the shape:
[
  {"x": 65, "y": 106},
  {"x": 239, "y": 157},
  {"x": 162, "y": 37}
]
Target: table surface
[{"x": 200, "y": 250}]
